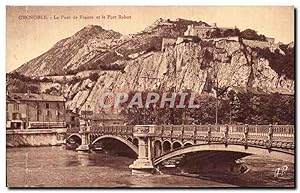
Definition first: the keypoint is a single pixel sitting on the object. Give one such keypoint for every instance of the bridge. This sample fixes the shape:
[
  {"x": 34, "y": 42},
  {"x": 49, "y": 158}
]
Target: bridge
[{"x": 156, "y": 144}]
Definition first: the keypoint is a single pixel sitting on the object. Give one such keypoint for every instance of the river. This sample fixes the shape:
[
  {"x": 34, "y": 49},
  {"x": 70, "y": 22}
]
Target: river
[{"x": 57, "y": 167}]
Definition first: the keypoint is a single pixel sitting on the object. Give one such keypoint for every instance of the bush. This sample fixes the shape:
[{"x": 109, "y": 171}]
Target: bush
[
  {"x": 52, "y": 91},
  {"x": 45, "y": 79},
  {"x": 116, "y": 67},
  {"x": 250, "y": 34},
  {"x": 94, "y": 76},
  {"x": 218, "y": 33},
  {"x": 18, "y": 86},
  {"x": 17, "y": 75},
  {"x": 33, "y": 89},
  {"x": 72, "y": 72},
  {"x": 74, "y": 80}
]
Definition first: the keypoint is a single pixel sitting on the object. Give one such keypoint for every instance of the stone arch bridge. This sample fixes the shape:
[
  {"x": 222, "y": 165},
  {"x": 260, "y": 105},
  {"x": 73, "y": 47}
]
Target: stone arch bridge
[{"x": 155, "y": 144}]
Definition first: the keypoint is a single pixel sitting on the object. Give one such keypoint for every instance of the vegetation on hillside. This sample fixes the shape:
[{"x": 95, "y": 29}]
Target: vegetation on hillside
[
  {"x": 251, "y": 34},
  {"x": 241, "y": 108},
  {"x": 280, "y": 63},
  {"x": 219, "y": 33},
  {"x": 18, "y": 86}
]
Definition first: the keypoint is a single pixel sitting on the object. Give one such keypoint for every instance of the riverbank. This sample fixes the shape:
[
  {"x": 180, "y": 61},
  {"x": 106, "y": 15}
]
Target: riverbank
[{"x": 34, "y": 138}]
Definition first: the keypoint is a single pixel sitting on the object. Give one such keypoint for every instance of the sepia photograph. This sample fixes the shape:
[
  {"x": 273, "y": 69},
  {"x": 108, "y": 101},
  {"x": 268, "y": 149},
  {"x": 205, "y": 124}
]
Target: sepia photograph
[{"x": 150, "y": 97}]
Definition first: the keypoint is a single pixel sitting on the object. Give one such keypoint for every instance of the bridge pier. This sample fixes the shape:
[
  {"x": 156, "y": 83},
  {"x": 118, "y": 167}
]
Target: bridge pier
[
  {"x": 143, "y": 165},
  {"x": 60, "y": 136},
  {"x": 84, "y": 147}
]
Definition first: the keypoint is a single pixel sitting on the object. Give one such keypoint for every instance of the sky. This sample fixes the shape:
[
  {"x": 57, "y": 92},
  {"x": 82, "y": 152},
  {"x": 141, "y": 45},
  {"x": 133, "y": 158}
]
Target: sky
[{"x": 29, "y": 38}]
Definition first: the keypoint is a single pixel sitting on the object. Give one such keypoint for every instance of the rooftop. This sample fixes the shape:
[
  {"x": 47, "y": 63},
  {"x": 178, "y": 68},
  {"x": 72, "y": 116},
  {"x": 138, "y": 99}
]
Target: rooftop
[{"x": 35, "y": 97}]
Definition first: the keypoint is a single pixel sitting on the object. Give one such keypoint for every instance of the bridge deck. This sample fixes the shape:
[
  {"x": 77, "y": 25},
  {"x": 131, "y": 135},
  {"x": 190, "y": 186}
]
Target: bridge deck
[{"x": 269, "y": 136}]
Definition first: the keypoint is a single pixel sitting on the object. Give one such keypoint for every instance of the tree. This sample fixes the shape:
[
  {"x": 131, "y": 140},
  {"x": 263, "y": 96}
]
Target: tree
[
  {"x": 216, "y": 33},
  {"x": 281, "y": 64},
  {"x": 231, "y": 32},
  {"x": 246, "y": 108},
  {"x": 252, "y": 35},
  {"x": 16, "y": 85}
]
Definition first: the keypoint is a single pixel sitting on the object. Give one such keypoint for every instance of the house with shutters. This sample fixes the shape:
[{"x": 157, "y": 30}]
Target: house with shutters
[{"x": 35, "y": 111}]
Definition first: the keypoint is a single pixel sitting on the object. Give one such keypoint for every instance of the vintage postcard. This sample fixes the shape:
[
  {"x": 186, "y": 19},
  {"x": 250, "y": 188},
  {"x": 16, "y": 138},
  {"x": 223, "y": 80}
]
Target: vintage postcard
[{"x": 162, "y": 96}]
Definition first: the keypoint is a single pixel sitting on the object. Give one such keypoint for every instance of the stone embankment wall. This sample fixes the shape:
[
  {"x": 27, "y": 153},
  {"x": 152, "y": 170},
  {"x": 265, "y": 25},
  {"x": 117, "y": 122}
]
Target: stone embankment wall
[{"x": 22, "y": 139}]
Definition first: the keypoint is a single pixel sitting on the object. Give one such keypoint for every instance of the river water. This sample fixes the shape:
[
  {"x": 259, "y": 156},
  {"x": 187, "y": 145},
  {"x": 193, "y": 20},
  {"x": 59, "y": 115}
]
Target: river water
[{"x": 58, "y": 167}]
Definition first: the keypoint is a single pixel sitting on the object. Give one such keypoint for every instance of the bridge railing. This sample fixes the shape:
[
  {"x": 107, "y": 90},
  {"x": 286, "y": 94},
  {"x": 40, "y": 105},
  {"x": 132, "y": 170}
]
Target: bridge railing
[
  {"x": 258, "y": 135},
  {"x": 167, "y": 131},
  {"x": 236, "y": 134},
  {"x": 113, "y": 129},
  {"x": 280, "y": 136}
]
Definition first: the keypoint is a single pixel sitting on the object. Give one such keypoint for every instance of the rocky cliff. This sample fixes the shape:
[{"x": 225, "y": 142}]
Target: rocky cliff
[{"x": 189, "y": 66}]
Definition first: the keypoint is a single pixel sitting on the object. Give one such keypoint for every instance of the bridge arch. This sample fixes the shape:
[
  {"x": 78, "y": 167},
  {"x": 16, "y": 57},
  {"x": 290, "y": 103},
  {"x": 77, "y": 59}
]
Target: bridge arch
[
  {"x": 187, "y": 143},
  {"x": 157, "y": 144},
  {"x": 135, "y": 142},
  {"x": 74, "y": 135},
  {"x": 121, "y": 139},
  {"x": 177, "y": 145},
  {"x": 277, "y": 154},
  {"x": 166, "y": 146}
]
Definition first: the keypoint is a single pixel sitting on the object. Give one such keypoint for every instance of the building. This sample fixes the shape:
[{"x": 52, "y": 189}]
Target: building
[
  {"x": 13, "y": 116},
  {"x": 203, "y": 31},
  {"x": 200, "y": 31},
  {"x": 186, "y": 39},
  {"x": 72, "y": 120},
  {"x": 35, "y": 111},
  {"x": 229, "y": 38}
]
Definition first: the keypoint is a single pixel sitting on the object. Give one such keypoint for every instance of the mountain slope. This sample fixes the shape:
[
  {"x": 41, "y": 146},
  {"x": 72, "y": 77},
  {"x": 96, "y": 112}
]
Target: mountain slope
[
  {"x": 70, "y": 53},
  {"x": 93, "y": 47}
]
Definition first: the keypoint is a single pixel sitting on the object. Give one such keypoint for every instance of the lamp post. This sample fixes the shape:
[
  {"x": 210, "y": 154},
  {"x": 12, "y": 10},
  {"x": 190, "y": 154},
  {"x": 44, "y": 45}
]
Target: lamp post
[
  {"x": 231, "y": 96},
  {"x": 230, "y": 116},
  {"x": 217, "y": 100}
]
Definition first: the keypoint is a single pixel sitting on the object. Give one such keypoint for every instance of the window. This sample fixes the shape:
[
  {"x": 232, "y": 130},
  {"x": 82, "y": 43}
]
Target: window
[
  {"x": 57, "y": 105},
  {"x": 57, "y": 115},
  {"x": 16, "y": 116},
  {"x": 47, "y": 105},
  {"x": 48, "y": 114},
  {"x": 16, "y": 106},
  {"x": 38, "y": 113},
  {"x": 16, "y": 125}
]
